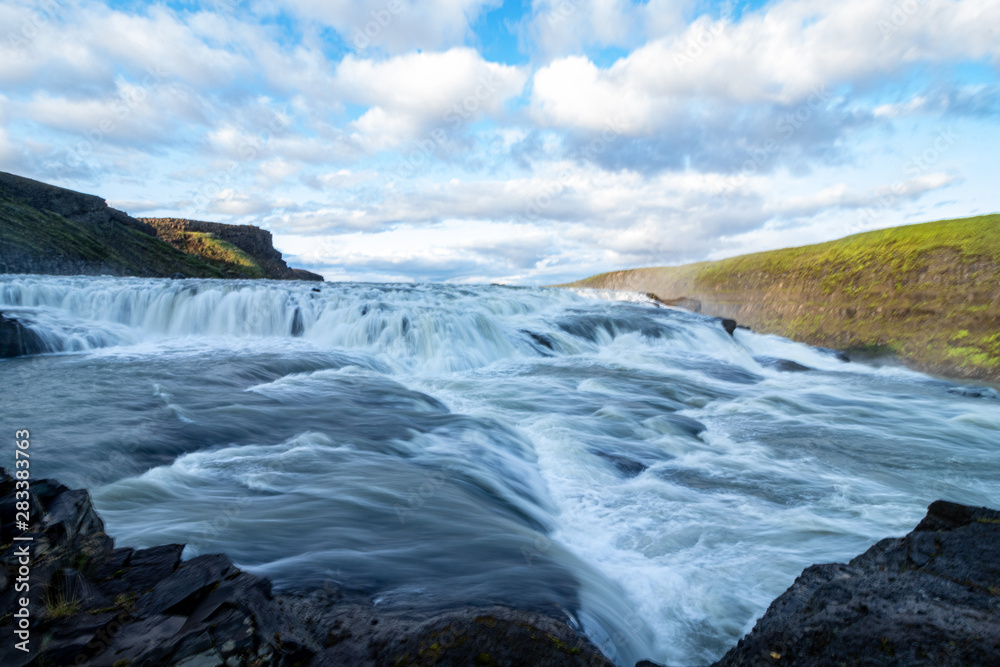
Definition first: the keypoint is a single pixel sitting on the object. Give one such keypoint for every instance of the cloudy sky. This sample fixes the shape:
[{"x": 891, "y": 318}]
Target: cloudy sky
[{"x": 524, "y": 141}]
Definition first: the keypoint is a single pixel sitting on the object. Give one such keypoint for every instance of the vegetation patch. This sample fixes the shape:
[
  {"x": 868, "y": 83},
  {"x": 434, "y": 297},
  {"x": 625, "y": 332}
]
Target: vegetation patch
[{"x": 928, "y": 293}]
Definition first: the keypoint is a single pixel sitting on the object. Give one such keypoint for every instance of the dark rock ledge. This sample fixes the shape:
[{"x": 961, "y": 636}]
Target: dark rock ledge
[
  {"x": 92, "y": 604},
  {"x": 930, "y": 598}
]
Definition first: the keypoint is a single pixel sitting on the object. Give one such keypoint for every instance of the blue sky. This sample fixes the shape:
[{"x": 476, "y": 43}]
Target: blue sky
[{"x": 527, "y": 142}]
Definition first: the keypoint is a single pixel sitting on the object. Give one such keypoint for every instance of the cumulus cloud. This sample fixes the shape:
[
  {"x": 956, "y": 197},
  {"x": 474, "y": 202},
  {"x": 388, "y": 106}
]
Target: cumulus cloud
[
  {"x": 627, "y": 134},
  {"x": 781, "y": 56},
  {"x": 407, "y": 95}
]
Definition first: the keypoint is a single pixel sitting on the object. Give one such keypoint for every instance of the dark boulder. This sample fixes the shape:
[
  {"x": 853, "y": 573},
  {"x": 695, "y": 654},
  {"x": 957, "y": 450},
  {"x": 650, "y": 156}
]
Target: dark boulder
[
  {"x": 930, "y": 598},
  {"x": 17, "y": 340},
  {"x": 729, "y": 325},
  {"x": 785, "y": 365},
  {"x": 497, "y": 636}
]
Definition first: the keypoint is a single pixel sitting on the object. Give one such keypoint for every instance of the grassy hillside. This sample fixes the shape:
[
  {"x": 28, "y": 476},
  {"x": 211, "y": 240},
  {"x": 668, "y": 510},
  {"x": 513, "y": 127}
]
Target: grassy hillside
[
  {"x": 50, "y": 243},
  {"x": 214, "y": 250},
  {"x": 930, "y": 293}
]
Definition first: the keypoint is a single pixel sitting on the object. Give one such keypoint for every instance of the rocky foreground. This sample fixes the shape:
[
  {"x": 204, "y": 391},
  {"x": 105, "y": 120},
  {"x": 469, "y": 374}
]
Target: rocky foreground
[
  {"x": 930, "y": 598},
  {"x": 92, "y": 604}
]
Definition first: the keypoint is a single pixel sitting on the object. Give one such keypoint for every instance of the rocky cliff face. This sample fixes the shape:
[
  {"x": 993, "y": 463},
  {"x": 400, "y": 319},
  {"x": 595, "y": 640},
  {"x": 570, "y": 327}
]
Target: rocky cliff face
[
  {"x": 74, "y": 206},
  {"x": 45, "y": 229},
  {"x": 254, "y": 241}
]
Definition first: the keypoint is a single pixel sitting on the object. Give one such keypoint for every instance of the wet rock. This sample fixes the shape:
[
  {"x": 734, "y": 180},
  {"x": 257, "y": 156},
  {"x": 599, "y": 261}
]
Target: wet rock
[
  {"x": 975, "y": 392},
  {"x": 785, "y": 365},
  {"x": 17, "y": 340},
  {"x": 930, "y": 598},
  {"x": 540, "y": 340},
  {"x": 475, "y": 636},
  {"x": 729, "y": 325},
  {"x": 178, "y": 276},
  {"x": 624, "y": 465}
]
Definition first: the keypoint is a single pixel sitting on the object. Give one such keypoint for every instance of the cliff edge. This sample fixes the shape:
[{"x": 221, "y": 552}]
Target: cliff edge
[
  {"x": 45, "y": 229},
  {"x": 244, "y": 246}
]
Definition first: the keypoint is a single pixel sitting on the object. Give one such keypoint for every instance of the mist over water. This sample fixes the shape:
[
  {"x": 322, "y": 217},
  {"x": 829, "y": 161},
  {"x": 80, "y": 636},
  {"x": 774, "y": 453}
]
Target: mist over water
[{"x": 632, "y": 469}]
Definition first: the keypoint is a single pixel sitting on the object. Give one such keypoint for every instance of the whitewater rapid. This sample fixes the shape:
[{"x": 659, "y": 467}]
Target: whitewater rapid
[{"x": 632, "y": 468}]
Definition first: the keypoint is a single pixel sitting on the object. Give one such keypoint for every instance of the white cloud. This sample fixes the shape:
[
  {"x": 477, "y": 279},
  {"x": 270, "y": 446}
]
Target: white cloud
[
  {"x": 409, "y": 94},
  {"x": 778, "y": 56}
]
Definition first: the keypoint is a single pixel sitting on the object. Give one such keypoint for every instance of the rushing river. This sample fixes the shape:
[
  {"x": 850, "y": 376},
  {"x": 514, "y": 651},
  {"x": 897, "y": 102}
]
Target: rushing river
[{"x": 631, "y": 468}]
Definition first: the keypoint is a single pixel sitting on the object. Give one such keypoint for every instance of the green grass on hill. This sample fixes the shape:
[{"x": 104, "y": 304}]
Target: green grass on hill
[
  {"x": 215, "y": 250},
  {"x": 27, "y": 232},
  {"x": 930, "y": 292}
]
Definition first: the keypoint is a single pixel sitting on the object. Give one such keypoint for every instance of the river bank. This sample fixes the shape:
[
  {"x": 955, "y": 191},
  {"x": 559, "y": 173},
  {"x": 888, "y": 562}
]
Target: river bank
[{"x": 926, "y": 294}]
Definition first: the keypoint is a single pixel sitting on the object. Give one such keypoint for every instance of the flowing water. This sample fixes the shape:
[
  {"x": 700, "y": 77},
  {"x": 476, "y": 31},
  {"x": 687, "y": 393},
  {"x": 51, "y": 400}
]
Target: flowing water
[{"x": 631, "y": 468}]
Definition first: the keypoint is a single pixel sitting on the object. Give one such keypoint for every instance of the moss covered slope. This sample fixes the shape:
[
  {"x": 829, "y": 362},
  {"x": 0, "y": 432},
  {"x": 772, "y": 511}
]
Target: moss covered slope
[
  {"x": 216, "y": 251},
  {"x": 47, "y": 229},
  {"x": 39, "y": 241},
  {"x": 928, "y": 292}
]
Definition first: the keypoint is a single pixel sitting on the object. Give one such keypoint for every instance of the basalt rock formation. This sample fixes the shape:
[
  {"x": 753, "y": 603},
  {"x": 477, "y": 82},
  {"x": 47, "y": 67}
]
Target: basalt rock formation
[
  {"x": 89, "y": 603},
  {"x": 930, "y": 598},
  {"x": 74, "y": 206}
]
